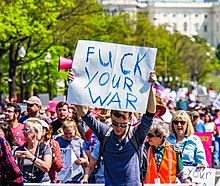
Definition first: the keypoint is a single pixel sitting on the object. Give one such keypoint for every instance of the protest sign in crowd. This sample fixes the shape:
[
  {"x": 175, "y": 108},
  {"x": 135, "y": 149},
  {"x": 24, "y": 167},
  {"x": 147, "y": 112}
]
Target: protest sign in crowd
[{"x": 115, "y": 107}]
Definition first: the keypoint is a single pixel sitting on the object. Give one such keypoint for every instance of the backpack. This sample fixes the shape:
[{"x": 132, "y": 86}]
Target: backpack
[{"x": 141, "y": 150}]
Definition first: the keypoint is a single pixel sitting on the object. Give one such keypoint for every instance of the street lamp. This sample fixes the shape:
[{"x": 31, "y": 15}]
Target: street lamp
[
  {"x": 22, "y": 53},
  {"x": 47, "y": 60}
]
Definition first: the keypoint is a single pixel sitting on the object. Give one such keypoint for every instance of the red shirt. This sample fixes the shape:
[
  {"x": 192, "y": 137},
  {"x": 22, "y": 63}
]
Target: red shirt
[{"x": 18, "y": 134}]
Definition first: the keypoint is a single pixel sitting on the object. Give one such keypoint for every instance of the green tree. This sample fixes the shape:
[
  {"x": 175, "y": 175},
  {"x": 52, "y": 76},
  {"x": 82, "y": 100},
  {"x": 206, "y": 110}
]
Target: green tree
[{"x": 37, "y": 25}]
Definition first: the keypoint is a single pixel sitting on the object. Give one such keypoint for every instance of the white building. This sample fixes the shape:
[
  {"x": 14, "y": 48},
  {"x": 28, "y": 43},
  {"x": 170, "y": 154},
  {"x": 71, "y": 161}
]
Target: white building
[{"x": 189, "y": 17}]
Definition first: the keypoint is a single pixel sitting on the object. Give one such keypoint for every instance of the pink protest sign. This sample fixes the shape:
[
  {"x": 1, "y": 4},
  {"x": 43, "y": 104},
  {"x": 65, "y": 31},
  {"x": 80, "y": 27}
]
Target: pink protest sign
[{"x": 206, "y": 138}]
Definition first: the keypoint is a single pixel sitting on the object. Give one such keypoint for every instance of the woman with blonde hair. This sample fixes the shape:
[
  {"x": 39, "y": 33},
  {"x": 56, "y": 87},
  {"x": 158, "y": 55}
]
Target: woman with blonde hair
[
  {"x": 55, "y": 147},
  {"x": 71, "y": 138},
  {"x": 182, "y": 134},
  {"x": 34, "y": 157}
]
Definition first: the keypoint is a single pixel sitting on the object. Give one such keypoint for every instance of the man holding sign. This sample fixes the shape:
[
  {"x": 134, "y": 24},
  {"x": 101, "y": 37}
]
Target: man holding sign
[
  {"x": 121, "y": 160},
  {"x": 118, "y": 77}
]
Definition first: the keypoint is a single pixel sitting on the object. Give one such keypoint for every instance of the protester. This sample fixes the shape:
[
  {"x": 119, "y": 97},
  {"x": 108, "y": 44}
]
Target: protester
[
  {"x": 5, "y": 132},
  {"x": 12, "y": 113},
  {"x": 209, "y": 124},
  {"x": 33, "y": 108},
  {"x": 94, "y": 172},
  {"x": 52, "y": 114},
  {"x": 160, "y": 108},
  {"x": 216, "y": 153},
  {"x": 81, "y": 126},
  {"x": 10, "y": 173},
  {"x": 55, "y": 147},
  {"x": 164, "y": 159},
  {"x": 34, "y": 157},
  {"x": 182, "y": 103},
  {"x": 62, "y": 110},
  {"x": 121, "y": 160},
  {"x": 182, "y": 135},
  {"x": 71, "y": 138},
  {"x": 197, "y": 122}
]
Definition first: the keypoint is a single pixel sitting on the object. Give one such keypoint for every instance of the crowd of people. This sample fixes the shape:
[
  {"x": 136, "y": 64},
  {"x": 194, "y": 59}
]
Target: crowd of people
[{"x": 100, "y": 139}]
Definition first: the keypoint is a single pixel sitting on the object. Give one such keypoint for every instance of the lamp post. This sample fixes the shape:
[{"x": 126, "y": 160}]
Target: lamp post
[
  {"x": 22, "y": 53},
  {"x": 47, "y": 60}
]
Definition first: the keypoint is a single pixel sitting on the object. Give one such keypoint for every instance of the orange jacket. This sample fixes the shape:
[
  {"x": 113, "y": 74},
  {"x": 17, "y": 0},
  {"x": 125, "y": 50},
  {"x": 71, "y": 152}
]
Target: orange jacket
[{"x": 167, "y": 170}]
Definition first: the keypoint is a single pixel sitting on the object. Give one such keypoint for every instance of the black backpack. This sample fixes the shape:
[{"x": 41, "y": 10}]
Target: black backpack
[{"x": 141, "y": 150}]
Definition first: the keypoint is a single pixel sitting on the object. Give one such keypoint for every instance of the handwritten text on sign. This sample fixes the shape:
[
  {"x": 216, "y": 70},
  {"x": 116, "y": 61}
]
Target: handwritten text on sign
[
  {"x": 67, "y": 160},
  {"x": 203, "y": 177},
  {"x": 70, "y": 169},
  {"x": 111, "y": 76}
]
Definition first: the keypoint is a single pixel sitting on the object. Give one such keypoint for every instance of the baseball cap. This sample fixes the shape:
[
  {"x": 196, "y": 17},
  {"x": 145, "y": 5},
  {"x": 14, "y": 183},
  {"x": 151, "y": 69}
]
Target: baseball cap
[{"x": 34, "y": 100}]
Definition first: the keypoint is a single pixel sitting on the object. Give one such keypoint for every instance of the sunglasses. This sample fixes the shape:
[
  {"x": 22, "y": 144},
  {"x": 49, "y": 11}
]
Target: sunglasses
[
  {"x": 177, "y": 122},
  {"x": 150, "y": 135},
  {"x": 30, "y": 104},
  {"x": 27, "y": 129},
  {"x": 122, "y": 125}
]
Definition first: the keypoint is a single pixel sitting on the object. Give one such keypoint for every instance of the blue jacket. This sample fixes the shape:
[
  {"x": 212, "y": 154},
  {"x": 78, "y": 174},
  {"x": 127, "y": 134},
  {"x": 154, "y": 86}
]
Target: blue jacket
[
  {"x": 192, "y": 149},
  {"x": 121, "y": 160}
]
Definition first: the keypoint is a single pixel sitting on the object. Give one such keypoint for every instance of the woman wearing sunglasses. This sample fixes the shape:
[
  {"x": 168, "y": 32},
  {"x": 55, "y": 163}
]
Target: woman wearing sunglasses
[
  {"x": 182, "y": 135},
  {"x": 34, "y": 157},
  {"x": 164, "y": 159}
]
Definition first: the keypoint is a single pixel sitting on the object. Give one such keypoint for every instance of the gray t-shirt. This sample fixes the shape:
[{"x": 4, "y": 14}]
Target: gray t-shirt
[
  {"x": 78, "y": 145},
  {"x": 31, "y": 173}
]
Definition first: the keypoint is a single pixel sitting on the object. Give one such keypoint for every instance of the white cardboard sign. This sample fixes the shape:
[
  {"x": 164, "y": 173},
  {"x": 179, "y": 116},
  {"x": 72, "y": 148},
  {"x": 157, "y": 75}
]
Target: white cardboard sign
[
  {"x": 70, "y": 169},
  {"x": 109, "y": 75},
  {"x": 203, "y": 177}
]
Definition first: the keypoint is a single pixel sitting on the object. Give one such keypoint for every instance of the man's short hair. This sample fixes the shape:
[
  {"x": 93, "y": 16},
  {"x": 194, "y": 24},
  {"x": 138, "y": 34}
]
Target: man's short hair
[
  {"x": 118, "y": 113},
  {"x": 61, "y": 104}
]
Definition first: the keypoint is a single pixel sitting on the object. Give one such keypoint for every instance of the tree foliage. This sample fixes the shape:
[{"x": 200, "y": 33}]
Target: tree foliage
[{"x": 57, "y": 25}]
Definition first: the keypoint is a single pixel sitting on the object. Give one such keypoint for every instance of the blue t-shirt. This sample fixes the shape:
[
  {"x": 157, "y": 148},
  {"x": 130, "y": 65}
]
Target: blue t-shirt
[
  {"x": 200, "y": 127},
  {"x": 78, "y": 145}
]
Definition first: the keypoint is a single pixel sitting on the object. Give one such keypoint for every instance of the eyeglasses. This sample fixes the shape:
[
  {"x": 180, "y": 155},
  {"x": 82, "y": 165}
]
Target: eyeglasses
[
  {"x": 122, "y": 125},
  {"x": 9, "y": 111},
  {"x": 150, "y": 135},
  {"x": 177, "y": 122},
  {"x": 27, "y": 129}
]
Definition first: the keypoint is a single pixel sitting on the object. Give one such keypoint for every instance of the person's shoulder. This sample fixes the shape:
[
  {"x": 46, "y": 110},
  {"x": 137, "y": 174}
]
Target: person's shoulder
[
  {"x": 20, "y": 147},
  {"x": 57, "y": 121},
  {"x": 171, "y": 138},
  {"x": 2, "y": 140},
  {"x": 58, "y": 138},
  {"x": 20, "y": 126},
  {"x": 53, "y": 141},
  {"x": 76, "y": 138},
  {"x": 45, "y": 117},
  {"x": 23, "y": 118},
  {"x": 194, "y": 138},
  {"x": 175, "y": 148}
]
